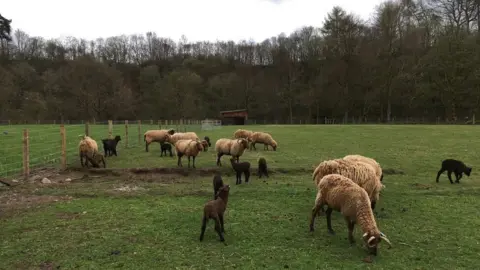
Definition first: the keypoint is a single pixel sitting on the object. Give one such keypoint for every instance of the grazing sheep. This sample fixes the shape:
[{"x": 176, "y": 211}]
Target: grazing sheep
[
  {"x": 156, "y": 135},
  {"x": 110, "y": 146},
  {"x": 181, "y": 136},
  {"x": 234, "y": 148},
  {"x": 215, "y": 210},
  {"x": 96, "y": 159},
  {"x": 361, "y": 173},
  {"x": 206, "y": 138},
  {"x": 205, "y": 145},
  {"x": 189, "y": 148},
  {"x": 262, "y": 167},
  {"x": 455, "y": 166},
  {"x": 164, "y": 147},
  {"x": 371, "y": 161},
  {"x": 242, "y": 133},
  {"x": 239, "y": 168},
  {"x": 217, "y": 184},
  {"x": 341, "y": 194},
  {"x": 86, "y": 148},
  {"x": 262, "y": 137}
]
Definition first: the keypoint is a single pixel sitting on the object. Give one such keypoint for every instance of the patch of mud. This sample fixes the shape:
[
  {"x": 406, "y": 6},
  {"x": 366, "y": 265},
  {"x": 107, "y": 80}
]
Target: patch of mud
[
  {"x": 12, "y": 202},
  {"x": 129, "y": 188}
]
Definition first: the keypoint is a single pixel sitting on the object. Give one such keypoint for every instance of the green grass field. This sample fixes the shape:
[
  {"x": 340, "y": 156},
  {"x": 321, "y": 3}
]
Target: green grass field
[{"x": 156, "y": 223}]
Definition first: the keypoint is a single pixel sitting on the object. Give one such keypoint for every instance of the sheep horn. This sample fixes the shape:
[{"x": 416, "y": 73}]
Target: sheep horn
[{"x": 384, "y": 237}]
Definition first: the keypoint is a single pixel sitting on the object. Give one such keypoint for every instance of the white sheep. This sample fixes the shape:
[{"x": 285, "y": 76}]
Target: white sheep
[
  {"x": 189, "y": 148},
  {"x": 262, "y": 137},
  {"x": 371, "y": 161},
  {"x": 341, "y": 194},
  {"x": 156, "y": 135},
  {"x": 232, "y": 147}
]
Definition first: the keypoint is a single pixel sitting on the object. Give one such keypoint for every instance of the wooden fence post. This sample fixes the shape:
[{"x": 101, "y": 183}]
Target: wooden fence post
[
  {"x": 139, "y": 131},
  {"x": 126, "y": 133},
  {"x": 110, "y": 129},
  {"x": 26, "y": 155},
  {"x": 63, "y": 157},
  {"x": 87, "y": 128}
]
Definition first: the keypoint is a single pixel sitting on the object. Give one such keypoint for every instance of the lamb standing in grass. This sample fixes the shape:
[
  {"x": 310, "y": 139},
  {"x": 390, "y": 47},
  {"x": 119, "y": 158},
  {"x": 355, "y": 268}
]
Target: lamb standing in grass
[
  {"x": 86, "y": 148},
  {"x": 262, "y": 167},
  {"x": 456, "y": 166},
  {"x": 371, "y": 161},
  {"x": 361, "y": 173},
  {"x": 164, "y": 147},
  {"x": 110, "y": 146},
  {"x": 239, "y": 168},
  {"x": 156, "y": 135},
  {"x": 341, "y": 194},
  {"x": 262, "y": 137},
  {"x": 234, "y": 148},
  {"x": 189, "y": 148},
  {"x": 215, "y": 210}
]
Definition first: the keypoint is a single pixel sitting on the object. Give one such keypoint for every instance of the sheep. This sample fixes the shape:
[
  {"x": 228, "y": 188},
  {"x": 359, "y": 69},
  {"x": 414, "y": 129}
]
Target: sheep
[
  {"x": 361, "y": 173},
  {"x": 240, "y": 167},
  {"x": 206, "y": 138},
  {"x": 181, "y": 136},
  {"x": 156, "y": 135},
  {"x": 262, "y": 167},
  {"x": 86, "y": 148},
  {"x": 96, "y": 159},
  {"x": 242, "y": 133},
  {"x": 110, "y": 146},
  {"x": 189, "y": 148},
  {"x": 215, "y": 209},
  {"x": 262, "y": 137},
  {"x": 164, "y": 147},
  {"x": 342, "y": 194},
  {"x": 205, "y": 145},
  {"x": 217, "y": 184},
  {"x": 371, "y": 161},
  {"x": 234, "y": 148},
  {"x": 456, "y": 166}
]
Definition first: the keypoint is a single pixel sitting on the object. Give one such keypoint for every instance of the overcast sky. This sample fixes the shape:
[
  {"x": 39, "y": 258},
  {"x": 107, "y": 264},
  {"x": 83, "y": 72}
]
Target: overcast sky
[{"x": 196, "y": 19}]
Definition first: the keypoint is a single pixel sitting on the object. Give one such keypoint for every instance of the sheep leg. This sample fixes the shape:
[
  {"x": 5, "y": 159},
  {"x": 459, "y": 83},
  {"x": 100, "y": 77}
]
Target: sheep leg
[
  {"x": 252, "y": 146},
  {"x": 247, "y": 176},
  {"x": 329, "y": 221},
  {"x": 146, "y": 146},
  {"x": 169, "y": 150},
  {"x": 81, "y": 160},
  {"x": 115, "y": 152},
  {"x": 450, "y": 176},
  {"x": 239, "y": 177},
  {"x": 204, "y": 226},
  {"x": 193, "y": 161},
  {"x": 458, "y": 176},
  {"x": 438, "y": 174},
  {"x": 221, "y": 222},
  {"x": 219, "y": 229},
  {"x": 315, "y": 210},
  {"x": 179, "y": 162},
  {"x": 219, "y": 155},
  {"x": 350, "y": 225}
]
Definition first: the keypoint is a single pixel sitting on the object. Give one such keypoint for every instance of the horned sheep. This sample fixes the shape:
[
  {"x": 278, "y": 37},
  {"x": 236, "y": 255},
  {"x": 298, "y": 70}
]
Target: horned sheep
[
  {"x": 156, "y": 135},
  {"x": 371, "y": 161},
  {"x": 361, "y": 173},
  {"x": 231, "y": 147},
  {"x": 262, "y": 137},
  {"x": 341, "y": 194},
  {"x": 189, "y": 148}
]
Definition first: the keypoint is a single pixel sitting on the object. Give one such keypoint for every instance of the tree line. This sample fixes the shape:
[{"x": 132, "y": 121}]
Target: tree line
[{"x": 417, "y": 59}]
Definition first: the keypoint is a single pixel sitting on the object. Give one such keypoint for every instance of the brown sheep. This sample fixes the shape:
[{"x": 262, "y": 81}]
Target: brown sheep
[
  {"x": 371, "y": 161},
  {"x": 205, "y": 145},
  {"x": 97, "y": 159},
  {"x": 189, "y": 148},
  {"x": 156, "y": 135},
  {"x": 341, "y": 194},
  {"x": 234, "y": 148},
  {"x": 242, "y": 133},
  {"x": 86, "y": 148},
  {"x": 215, "y": 210},
  {"x": 262, "y": 137}
]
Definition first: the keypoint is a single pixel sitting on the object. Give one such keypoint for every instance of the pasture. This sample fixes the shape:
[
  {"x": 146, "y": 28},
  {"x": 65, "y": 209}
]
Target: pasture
[{"x": 152, "y": 221}]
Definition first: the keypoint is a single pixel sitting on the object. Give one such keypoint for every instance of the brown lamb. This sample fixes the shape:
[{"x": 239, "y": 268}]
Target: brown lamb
[{"x": 215, "y": 209}]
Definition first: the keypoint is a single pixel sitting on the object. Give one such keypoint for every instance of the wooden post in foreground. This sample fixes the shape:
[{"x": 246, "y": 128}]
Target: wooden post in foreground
[
  {"x": 26, "y": 155},
  {"x": 87, "y": 128},
  {"x": 126, "y": 133},
  {"x": 110, "y": 129},
  {"x": 139, "y": 131},
  {"x": 63, "y": 157}
]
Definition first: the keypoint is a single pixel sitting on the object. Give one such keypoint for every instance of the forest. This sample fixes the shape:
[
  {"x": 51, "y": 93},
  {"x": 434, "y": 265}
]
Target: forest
[{"x": 412, "y": 59}]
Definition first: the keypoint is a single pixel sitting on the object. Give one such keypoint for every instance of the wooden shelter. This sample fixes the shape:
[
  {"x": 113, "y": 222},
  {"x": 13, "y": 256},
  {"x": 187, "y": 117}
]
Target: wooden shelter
[{"x": 235, "y": 117}]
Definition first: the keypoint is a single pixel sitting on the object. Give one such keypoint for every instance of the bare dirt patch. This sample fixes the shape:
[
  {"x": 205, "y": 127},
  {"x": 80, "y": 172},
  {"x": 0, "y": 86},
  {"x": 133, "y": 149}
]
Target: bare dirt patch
[{"x": 13, "y": 202}]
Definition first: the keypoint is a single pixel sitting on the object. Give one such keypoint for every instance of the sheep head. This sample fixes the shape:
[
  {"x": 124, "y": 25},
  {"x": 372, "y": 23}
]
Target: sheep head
[
  {"x": 372, "y": 241},
  {"x": 117, "y": 138},
  {"x": 243, "y": 142},
  {"x": 171, "y": 131},
  {"x": 205, "y": 145},
  {"x": 223, "y": 191},
  {"x": 468, "y": 171},
  {"x": 199, "y": 145},
  {"x": 168, "y": 138},
  {"x": 274, "y": 145}
]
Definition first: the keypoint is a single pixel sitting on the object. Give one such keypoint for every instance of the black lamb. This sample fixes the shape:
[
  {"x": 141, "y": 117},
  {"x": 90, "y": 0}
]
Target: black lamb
[
  {"x": 206, "y": 138},
  {"x": 455, "y": 166},
  {"x": 262, "y": 167},
  {"x": 110, "y": 146},
  {"x": 217, "y": 184},
  {"x": 164, "y": 147},
  {"x": 241, "y": 167}
]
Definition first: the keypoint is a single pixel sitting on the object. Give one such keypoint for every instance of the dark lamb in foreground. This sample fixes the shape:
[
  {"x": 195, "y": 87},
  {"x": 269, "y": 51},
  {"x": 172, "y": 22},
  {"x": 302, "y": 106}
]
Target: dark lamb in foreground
[
  {"x": 215, "y": 209},
  {"x": 110, "y": 146},
  {"x": 239, "y": 168},
  {"x": 217, "y": 184},
  {"x": 455, "y": 166},
  {"x": 164, "y": 147},
  {"x": 262, "y": 167}
]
